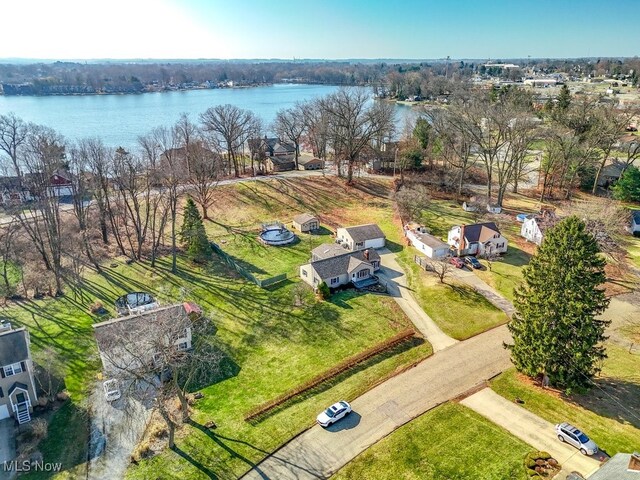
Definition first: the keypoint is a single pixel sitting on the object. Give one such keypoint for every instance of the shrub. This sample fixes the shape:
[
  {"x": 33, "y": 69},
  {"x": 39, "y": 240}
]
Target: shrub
[
  {"x": 39, "y": 429},
  {"x": 142, "y": 450},
  {"x": 323, "y": 291}
]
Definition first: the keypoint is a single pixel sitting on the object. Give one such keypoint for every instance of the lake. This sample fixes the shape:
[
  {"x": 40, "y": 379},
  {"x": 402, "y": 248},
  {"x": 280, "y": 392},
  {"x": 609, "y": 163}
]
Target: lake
[{"x": 120, "y": 119}]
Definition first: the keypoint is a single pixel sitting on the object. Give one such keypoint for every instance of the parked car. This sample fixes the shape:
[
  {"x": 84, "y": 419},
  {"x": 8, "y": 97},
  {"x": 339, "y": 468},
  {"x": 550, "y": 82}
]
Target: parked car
[
  {"x": 334, "y": 413},
  {"x": 571, "y": 435},
  {"x": 456, "y": 262},
  {"x": 111, "y": 390},
  {"x": 473, "y": 262}
]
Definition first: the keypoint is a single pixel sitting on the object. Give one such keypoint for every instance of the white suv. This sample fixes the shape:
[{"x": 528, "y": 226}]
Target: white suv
[{"x": 571, "y": 435}]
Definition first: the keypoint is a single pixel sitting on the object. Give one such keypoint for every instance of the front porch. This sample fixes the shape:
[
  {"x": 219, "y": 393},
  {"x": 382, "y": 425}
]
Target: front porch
[
  {"x": 20, "y": 402},
  {"x": 366, "y": 282}
]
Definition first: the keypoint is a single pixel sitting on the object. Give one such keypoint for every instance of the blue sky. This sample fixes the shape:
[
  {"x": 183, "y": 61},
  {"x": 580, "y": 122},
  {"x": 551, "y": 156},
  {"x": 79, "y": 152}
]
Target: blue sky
[{"x": 319, "y": 29}]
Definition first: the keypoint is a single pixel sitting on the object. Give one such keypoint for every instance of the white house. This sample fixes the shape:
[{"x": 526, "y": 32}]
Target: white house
[
  {"x": 634, "y": 227},
  {"x": 531, "y": 230},
  {"x": 361, "y": 237},
  {"x": 356, "y": 267},
  {"x": 477, "y": 239},
  {"x": 431, "y": 246},
  {"x": 18, "y": 391}
]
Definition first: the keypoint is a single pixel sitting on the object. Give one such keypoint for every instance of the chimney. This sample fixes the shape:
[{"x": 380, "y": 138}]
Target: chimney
[
  {"x": 461, "y": 240},
  {"x": 634, "y": 463},
  {"x": 366, "y": 254}
]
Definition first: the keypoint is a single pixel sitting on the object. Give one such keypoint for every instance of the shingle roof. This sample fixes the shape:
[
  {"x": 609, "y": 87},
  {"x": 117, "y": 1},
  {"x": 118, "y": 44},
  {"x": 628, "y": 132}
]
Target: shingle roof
[
  {"x": 341, "y": 264},
  {"x": 17, "y": 385},
  {"x": 305, "y": 160},
  {"x": 616, "y": 468},
  {"x": 14, "y": 346},
  {"x": 360, "y": 233},
  {"x": 304, "y": 218},
  {"x": 430, "y": 240},
  {"x": 282, "y": 160},
  {"x": 107, "y": 333},
  {"x": 480, "y": 232},
  {"x": 328, "y": 250}
]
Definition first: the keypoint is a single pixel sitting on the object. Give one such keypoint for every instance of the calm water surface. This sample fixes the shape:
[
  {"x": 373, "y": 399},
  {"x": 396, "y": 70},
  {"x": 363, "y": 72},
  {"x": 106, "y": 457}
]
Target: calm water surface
[{"x": 120, "y": 119}]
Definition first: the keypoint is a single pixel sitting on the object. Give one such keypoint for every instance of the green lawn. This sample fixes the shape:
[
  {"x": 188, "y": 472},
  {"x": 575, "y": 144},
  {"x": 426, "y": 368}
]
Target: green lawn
[
  {"x": 459, "y": 311},
  {"x": 505, "y": 274},
  {"x": 608, "y": 414},
  {"x": 449, "y": 442}
]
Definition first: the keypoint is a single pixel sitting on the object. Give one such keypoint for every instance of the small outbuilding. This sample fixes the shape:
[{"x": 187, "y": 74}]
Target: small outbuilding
[
  {"x": 310, "y": 164},
  {"x": 306, "y": 222},
  {"x": 361, "y": 237},
  {"x": 431, "y": 246}
]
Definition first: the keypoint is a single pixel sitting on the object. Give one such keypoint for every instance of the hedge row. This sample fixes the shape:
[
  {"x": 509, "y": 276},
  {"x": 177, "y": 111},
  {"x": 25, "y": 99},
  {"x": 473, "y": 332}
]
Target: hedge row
[{"x": 337, "y": 370}]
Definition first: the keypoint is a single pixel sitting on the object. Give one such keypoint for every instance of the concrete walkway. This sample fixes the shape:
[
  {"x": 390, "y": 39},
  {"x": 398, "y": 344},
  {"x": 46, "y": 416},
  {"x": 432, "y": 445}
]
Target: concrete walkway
[
  {"x": 319, "y": 453},
  {"x": 484, "y": 289},
  {"x": 7, "y": 446},
  {"x": 531, "y": 429},
  {"x": 393, "y": 275}
]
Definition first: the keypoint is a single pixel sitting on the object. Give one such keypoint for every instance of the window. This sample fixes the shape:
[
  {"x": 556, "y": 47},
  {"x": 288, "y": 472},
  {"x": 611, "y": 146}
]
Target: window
[
  {"x": 360, "y": 244},
  {"x": 363, "y": 274},
  {"x": 12, "y": 369},
  {"x": 335, "y": 280},
  {"x": 1, "y": 393},
  {"x": 183, "y": 346},
  {"x": 304, "y": 273}
]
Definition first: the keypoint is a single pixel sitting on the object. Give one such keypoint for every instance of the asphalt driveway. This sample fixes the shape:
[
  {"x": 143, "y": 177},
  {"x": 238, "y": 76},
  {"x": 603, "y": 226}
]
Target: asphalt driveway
[
  {"x": 531, "y": 429},
  {"x": 7, "y": 445}
]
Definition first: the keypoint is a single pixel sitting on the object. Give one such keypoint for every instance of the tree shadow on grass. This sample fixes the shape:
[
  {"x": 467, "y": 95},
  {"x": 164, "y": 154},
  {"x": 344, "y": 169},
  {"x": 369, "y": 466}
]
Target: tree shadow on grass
[
  {"x": 516, "y": 257},
  {"x": 194, "y": 462},
  {"x": 613, "y": 398}
]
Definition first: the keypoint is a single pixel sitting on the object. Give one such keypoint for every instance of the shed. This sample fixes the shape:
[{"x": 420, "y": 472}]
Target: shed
[
  {"x": 310, "y": 164},
  {"x": 306, "y": 222}
]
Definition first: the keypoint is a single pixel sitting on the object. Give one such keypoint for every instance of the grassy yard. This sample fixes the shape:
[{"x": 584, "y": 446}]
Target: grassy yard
[
  {"x": 450, "y": 441},
  {"x": 458, "y": 310},
  {"x": 506, "y": 274},
  {"x": 607, "y": 413}
]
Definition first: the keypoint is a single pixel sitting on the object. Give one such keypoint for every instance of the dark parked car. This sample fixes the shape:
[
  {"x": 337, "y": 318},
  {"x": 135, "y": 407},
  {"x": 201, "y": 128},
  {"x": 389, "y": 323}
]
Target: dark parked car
[
  {"x": 456, "y": 262},
  {"x": 473, "y": 262}
]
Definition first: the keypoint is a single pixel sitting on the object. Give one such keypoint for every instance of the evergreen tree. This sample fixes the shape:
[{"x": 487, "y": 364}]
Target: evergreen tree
[
  {"x": 193, "y": 234},
  {"x": 555, "y": 332},
  {"x": 627, "y": 188},
  {"x": 564, "y": 98}
]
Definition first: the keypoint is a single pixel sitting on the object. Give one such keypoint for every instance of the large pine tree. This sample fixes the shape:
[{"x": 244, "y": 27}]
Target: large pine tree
[
  {"x": 193, "y": 234},
  {"x": 555, "y": 332}
]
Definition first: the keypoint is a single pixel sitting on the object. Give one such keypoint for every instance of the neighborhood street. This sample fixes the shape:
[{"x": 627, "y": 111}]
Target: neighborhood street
[{"x": 318, "y": 452}]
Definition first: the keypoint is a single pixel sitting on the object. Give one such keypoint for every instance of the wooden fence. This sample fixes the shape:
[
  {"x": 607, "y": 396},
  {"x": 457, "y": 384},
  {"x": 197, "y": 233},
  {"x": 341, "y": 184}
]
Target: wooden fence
[{"x": 244, "y": 272}]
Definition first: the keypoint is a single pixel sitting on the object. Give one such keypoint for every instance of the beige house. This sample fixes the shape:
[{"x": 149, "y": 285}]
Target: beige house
[
  {"x": 17, "y": 386},
  {"x": 126, "y": 343},
  {"x": 310, "y": 163},
  {"x": 361, "y": 237},
  {"x": 337, "y": 270},
  {"x": 477, "y": 239},
  {"x": 306, "y": 222}
]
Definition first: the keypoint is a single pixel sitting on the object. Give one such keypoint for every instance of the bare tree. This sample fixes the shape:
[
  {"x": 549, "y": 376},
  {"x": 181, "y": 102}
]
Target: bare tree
[
  {"x": 13, "y": 137},
  {"x": 355, "y": 123},
  {"x": 441, "y": 267},
  {"x": 289, "y": 125},
  {"x": 44, "y": 156},
  {"x": 229, "y": 127},
  {"x": 98, "y": 163},
  {"x": 317, "y": 127},
  {"x": 204, "y": 175}
]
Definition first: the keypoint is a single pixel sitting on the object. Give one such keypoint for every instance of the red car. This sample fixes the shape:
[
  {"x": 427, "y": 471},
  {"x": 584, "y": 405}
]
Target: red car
[{"x": 456, "y": 262}]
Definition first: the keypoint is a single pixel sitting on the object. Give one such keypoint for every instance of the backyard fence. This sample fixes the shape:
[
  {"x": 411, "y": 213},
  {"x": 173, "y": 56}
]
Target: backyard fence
[
  {"x": 342, "y": 367},
  {"x": 424, "y": 262},
  {"x": 244, "y": 272}
]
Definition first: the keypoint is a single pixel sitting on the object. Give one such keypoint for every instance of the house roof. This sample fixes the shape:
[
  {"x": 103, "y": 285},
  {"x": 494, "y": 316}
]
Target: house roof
[
  {"x": 480, "y": 232},
  {"x": 342, "y": 264},
  {"x": 430, "y": 240},
  {"x": 107, "y": 332},
  {"x": 14, "y": 346},
  {"x": 354, "y": 263},
  {"x": 282, "y": 147},
  {"x": 360, "y": 233},
  {"x": 613, "y": 168},
  {"x": 282, "y": 160},
  {"x": 306, "y": 160},
  {"x": 616, "y": 468},
  {"x": 304, "y": 218},
  {"x": 17, "y": 385},
  {"x": 328, "y": 250}
]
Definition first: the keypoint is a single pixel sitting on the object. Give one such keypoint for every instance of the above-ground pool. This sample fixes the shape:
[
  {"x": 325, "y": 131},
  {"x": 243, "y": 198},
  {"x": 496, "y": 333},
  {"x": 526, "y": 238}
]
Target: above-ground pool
[{"x": 276, "y": 235}]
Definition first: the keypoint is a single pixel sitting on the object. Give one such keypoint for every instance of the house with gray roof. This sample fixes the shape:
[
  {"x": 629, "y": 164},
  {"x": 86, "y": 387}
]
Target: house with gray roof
[
  {"x": 622, "y": 466},
  {"x": 361, "y": 237},
  {"x": 328, "y": 250},
  {"x": 477, "y": 239},
  {"x": 336, "y": 270},
  {"x": 17, "y": 386}
]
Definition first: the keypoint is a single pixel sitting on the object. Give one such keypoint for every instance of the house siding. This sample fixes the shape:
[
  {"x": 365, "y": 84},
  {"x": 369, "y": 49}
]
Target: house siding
[{"x": 25, "y": 378}]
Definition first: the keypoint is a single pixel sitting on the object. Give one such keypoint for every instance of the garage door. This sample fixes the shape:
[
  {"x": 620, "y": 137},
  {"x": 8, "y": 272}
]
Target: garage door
[{"x": 4, "y": 412}]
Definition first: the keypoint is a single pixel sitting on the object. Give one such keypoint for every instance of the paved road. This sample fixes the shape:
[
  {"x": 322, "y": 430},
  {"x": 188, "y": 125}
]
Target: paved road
[
  {"x": 7, "y": 446},
  {"x": 484, "y": 289},
  {"x": 393, "y": 274},
  {"x": 318, "y": 452},
  {"x": 531, "y": 429}
]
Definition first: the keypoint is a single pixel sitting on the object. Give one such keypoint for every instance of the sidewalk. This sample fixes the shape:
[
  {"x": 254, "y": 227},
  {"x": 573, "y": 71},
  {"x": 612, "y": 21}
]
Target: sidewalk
[
  {"x": 393, "y": 275},
  {"x": 531, "y": 429}
]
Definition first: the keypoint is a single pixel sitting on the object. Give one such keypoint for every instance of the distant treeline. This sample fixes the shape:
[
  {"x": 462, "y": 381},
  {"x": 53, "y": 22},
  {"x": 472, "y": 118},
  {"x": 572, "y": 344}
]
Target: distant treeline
[{"x": 401, "y": 80}]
